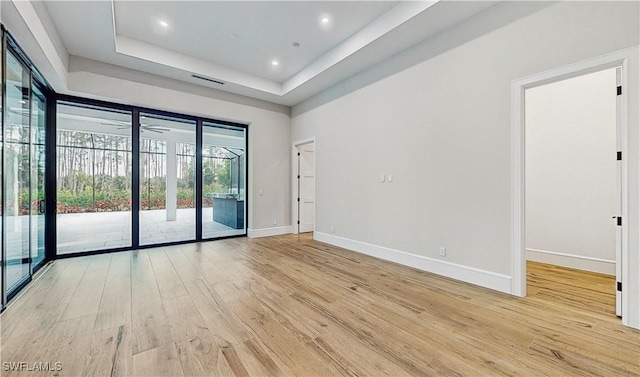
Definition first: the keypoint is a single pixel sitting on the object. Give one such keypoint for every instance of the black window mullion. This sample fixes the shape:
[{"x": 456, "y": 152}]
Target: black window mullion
[
  {"x": 246, "y": 179},
  {"x": 198, "y": 178},
  {"x": 50, "y": 191},
  {"x": 135, "y": 178}
]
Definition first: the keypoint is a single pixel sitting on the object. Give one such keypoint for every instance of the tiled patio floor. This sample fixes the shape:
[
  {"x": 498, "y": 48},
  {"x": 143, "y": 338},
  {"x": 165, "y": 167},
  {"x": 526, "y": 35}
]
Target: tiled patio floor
[{"x": 106, "y": 230}]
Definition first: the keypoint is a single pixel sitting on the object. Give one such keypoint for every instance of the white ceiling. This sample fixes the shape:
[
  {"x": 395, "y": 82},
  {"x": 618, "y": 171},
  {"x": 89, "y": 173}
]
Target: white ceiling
[
  {"x": 247, "y": 35},
  {"x": 235, "y": 42}
]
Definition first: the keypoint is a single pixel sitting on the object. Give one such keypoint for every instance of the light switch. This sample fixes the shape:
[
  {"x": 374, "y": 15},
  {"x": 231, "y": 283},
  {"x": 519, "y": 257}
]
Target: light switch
[
  {"x": 381, "y": 178},
  {"x": 389, "y": 178},
  {"x": 260, "y": 193}
]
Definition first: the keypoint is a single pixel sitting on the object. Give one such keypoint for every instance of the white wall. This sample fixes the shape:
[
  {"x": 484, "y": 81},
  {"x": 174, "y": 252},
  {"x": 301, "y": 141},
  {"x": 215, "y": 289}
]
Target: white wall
[
  {"x": 571, "y": 191},
  {"x": 442, "y": 128}
]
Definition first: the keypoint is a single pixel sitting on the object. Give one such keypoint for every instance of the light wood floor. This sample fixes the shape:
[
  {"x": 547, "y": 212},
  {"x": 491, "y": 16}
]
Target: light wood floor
[{"x": 291, "y": 306}]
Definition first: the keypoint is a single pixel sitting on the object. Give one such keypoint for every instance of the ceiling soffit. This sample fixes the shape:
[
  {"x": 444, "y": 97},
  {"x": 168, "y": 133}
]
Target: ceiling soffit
[{"x": 207, "y": 70}]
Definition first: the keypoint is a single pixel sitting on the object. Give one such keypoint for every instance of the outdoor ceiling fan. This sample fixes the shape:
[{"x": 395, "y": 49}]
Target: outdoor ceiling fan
[{"x": 143, "y": 127}]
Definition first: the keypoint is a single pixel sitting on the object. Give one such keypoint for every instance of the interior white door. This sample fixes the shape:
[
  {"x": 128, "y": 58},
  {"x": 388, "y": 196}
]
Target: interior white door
[
  {"x": 619, "y": 185},
  {"x": 306, "y": 187}
]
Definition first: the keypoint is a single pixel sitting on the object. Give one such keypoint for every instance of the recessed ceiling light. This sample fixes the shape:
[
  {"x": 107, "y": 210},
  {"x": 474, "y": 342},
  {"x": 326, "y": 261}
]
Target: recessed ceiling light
[
  {"x": 163, "y": 23},
  {"x": 326, "y": 21},
  {"x": 274, "y": 63}
]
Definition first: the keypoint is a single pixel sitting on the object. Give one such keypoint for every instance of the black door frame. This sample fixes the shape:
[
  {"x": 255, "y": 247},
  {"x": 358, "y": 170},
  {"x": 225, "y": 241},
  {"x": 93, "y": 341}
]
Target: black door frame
[
  {"x": 9, "y": 45},
  {"x": 135, "y": 173}
]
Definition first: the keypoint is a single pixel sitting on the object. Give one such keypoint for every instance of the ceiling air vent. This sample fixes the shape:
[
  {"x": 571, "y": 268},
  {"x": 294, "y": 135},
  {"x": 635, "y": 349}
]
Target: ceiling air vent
[{"x": 207, "y": 79}]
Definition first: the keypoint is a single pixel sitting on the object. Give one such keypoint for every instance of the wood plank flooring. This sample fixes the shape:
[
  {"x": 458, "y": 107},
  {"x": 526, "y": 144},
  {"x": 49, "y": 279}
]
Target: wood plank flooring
[{"x": 288, "y": 305}]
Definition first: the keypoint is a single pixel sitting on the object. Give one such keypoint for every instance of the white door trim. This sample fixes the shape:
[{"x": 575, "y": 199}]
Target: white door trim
[
  {"x": 294, "y": 182},
  {"x": 620, "y": 58}
]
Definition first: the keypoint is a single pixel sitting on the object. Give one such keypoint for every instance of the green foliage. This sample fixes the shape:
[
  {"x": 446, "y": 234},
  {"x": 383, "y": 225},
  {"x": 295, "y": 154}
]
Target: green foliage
[
  {"x": 100, "y": 184},
  {"x": 85, "y": 201},
  {"x": 215, "y": 177}
]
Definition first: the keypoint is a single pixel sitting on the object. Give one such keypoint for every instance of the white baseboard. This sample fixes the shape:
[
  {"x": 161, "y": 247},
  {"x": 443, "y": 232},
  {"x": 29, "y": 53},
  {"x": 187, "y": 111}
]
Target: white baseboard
[
  {"x": 268, "y": 232},
  {"x": 471, "y": 275},
  {"x": 579, "y": 262}
]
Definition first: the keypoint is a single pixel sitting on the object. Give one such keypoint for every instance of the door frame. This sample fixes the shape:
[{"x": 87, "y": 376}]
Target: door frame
[
  {"x": 518, "y": 87},
  {"x": 294, "y": 182}
]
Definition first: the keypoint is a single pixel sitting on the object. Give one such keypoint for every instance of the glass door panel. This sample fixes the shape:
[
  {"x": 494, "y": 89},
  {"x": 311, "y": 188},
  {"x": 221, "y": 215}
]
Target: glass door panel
[
  {"x": 223, "y": 181},
  {"x": 94, "y": 160},
  {"x": 167, "y": 179},
  {"x": 2, "y": 248},
  {"x": 17, "y": 174},
  {"x": 38, "y": 107}
]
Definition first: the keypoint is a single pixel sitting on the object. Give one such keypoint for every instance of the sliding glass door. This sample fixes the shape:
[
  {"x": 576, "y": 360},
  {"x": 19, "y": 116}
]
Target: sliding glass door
[
  {"x": 223, "y": 180},
  {"x": 103, "y": 152},
  {"x": 167, "y": 179},
  {"x": 17, "y": 167},
  {"x": 93, "y": 162},
  {"x": 22, "y": 173}
]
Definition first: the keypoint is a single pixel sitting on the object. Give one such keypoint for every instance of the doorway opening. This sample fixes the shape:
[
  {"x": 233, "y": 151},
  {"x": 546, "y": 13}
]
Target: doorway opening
[
  {"x": 573, "y": 188},
  {"x": 304, "y": 187}
]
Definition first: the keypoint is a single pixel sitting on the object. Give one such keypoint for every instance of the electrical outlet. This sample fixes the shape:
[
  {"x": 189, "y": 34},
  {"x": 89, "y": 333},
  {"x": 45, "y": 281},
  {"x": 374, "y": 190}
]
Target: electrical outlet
[
  {"x": 443, "y": 251},
  {"x": 275, "y": 222}
]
